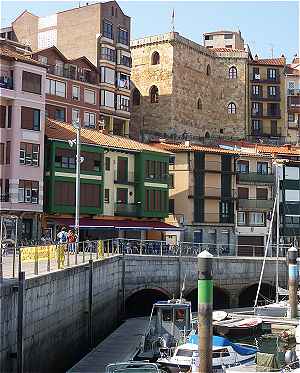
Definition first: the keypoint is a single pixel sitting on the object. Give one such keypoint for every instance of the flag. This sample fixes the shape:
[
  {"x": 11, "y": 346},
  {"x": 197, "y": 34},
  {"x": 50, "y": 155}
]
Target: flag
[{"x": 173, "y": 20}]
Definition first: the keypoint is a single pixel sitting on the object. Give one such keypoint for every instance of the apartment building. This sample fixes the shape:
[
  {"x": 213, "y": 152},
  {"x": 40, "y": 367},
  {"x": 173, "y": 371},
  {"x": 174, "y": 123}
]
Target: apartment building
[
  {"x": 22, "y": 87},
  {"x": 267, "y": 98},
  {"x": 124, "y": 184},
  {"x": 101, "y": 33},
  {"x": 292, "y": 89},
  {"x": 223, "y": 39},
  {"x": 255, "y": 201},
  {"x": 202, "y": 194},
  {"x": 182, "y": 89}
]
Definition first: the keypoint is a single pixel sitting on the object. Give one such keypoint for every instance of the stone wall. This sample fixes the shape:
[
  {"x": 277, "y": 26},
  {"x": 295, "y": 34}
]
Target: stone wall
[
  {"x": 56, "y": 317},
  {"x": 182, "y": 79}
]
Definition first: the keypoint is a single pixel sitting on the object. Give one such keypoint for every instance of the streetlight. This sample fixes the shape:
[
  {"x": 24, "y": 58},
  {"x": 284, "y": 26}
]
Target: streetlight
[{"x": 76, "y": 125}]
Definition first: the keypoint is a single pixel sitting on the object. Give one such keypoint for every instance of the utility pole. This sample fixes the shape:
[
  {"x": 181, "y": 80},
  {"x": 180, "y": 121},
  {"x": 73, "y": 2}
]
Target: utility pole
[
  {"x": 205, "y": 309},
  {"x": 76, "y": 125},
  {"x": 277, "y": 230}
]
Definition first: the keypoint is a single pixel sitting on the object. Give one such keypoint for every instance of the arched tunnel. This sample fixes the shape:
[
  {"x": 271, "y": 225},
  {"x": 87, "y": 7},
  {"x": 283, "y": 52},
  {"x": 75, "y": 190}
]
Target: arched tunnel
[
  {"x": 220, "y": 299},
  {"x": 248, "y": 294},
  {"x": 140, "y": 303}
]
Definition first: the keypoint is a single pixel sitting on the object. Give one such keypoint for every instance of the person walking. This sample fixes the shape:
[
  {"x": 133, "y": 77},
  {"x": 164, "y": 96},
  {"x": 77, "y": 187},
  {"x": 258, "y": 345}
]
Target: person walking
[
  {"x": 62, "y": 236},
  {"x": 71, "y": 240}
]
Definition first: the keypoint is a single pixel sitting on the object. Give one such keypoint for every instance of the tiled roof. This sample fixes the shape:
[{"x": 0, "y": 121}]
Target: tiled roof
[
  {"x": 64, "y": 131},
  {"x": 225, "y": 50},
  {"x": 9, "y": 52},
  {"x": 292, "y": 71},
  {"x": 267, "y": 149},
  {"x": 177, "y": 148},
  {"x": 270, "y": 61}
]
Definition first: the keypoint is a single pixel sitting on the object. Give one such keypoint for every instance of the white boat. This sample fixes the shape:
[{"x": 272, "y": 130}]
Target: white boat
[
  {"x": 225, "y": 354},
  {"x": 132, "y": 367}
]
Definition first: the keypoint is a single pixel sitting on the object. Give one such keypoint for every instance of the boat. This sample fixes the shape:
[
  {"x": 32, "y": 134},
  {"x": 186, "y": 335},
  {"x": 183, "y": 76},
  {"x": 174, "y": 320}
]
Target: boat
[
  {"x": 238, "y": 327},
  {"x": 225, "y": 354},
  {"x": 219, "y": 315},
  {"x": 133, "y": 367},
  {"x": 169, "y": 325}
]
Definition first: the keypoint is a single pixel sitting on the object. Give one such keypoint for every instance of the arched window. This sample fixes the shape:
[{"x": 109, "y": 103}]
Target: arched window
[
  {"x": 155, "y": 59},
  {"x": 199, "y": 104},
  {"x": 207, "y": 135},
  {"x": 154, "y": 94},
  {"x": 208, "y": 70},
  {"x": 231, "y": 108},
  {"x": 232, "y": 72},
  {"x": 136, "y": 97}
]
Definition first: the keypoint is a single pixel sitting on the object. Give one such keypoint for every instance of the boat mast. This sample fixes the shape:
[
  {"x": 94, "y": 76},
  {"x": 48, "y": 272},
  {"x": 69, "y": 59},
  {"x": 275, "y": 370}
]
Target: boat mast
[{"x": 277, "y": 229}]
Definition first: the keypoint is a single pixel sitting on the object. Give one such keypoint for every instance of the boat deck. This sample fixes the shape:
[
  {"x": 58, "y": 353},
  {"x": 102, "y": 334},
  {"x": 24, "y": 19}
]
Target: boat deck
[
  {"x": 120, "y": 346},
  {"x": 267, "y": 319}
]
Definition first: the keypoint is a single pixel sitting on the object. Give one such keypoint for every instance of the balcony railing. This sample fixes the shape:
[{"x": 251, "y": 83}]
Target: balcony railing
[
  {"x": 6, "y": 82},
  {"x": 257, "y": 204},
  {"x": 259, "y": 79},
  {"x": 121, "y": 178},
  {"x": 293, "y": 92},
  {"x": 293, "y": 102},
  {"x": 267, "y": 98},
  {"x": 73, "y": 74},
  {"x": 255, "y": 177},
  {"x": 127, "y": 209}
]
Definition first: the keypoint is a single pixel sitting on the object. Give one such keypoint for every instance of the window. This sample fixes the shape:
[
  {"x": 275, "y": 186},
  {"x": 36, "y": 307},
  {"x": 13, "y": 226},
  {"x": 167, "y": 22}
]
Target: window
[
  {"x": 30, "y": 118},
  {"x": 241, "y": 218},
  {"x": 262, "y": 168},
  {"x": 224, "y": 211},
  {"x": 89, "y": 97},
  {"x": 256, "y": 74},
  {"x": 256, "y": 128},
  {"x": 228, "y": 36},
  {"x": 243, "y": 193},
  {"x": 31, "y": 82},
  {"x": 291, "y": 173},
  {"x": 208, "y": 70},
  {"x": 65, "y": 161},
  {"x": 184, "y": 353},
  {"x": 272, "y": 91},
  {"x": 106, "y": 195},
  {"x": 256, "y": 108},
  {"x": 75, "y": 115},
  {"x": 125, "y": 60},
  {"x": 209, "y": 37},
  {"x": 273, "y": 108},
  {"x": 171, "y": 182},
  {"x": 43, "y": 59},
  {"x": 75, "y": 92},
  {"x": 90, "y": 120},
  {"x": 154, "y": 94},
  {"x": 7, "y": 153},
  {"x": 232, "y": 72},
  {"x": 60, "y": 114},
  {"x": 136, "y": 97},
  {"x": 220, "y": 353},
  {"x": 107, "y": 98},
  {"x": 261, "y": 193},
  {"x": 291, "y": 88},
  {"x": 29, "y": 154},
  {"x": 231, "y": 108},
  {"x": 107, "y": 164},
  {"x": 229, "y": 46},
  {"x": 199, "y": 104},
  {"x": 108, "y": 54},
  {"x": 123, "y": 81},
  {"x": 55, "y": 88},
  {"x": 272, "y": 74},
  {"x": 2, "y": 145},
  {"x": 292, "y": 195},
  {"x": 155, "y": 58},
  {"x": 28, "y": 191},
  {"x": 243, "y": 167},
  {"x": 123, "y": 36},
  {"x": 255, "y": 90},
  {"x": 291, "y": 117},
  {"x": 122, "y": 195},
  {"x": 256, "y": 218},
  {"x": 107, "y": 75},
  {"x": 122, "y": 103},
  {"x": 107, "y": 30}
]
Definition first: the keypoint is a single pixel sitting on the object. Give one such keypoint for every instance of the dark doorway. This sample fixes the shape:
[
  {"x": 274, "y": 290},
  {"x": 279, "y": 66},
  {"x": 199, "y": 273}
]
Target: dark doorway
[
  {"x": 220, "y": 301},
  {"x": 247, "y": 296},
  {"x": 141, "y": 302}
]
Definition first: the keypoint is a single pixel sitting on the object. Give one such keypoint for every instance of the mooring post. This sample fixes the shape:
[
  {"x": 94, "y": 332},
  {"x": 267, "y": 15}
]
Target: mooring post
[
  {"x": 293, "y": 281},
  {"x": 90, "y": 322},
  {"x": 21, "y": 287},
  {"x": 205, "y": 308}
]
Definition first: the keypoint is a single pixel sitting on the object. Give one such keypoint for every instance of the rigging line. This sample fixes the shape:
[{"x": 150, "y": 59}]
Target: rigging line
[{"x": 266, "y": 252}]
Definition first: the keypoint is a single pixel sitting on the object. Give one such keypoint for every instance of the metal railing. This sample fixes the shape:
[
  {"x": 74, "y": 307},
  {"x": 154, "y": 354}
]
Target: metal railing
[
  {"x": 127, "y": 209},
  {"x": 255, "y": 177},
  {"x": 257, "y": 204}
]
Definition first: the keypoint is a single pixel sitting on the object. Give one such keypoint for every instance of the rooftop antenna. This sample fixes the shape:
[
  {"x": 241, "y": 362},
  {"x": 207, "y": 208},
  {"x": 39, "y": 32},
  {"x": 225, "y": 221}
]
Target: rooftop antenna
[{"x": 272, "y": 49}]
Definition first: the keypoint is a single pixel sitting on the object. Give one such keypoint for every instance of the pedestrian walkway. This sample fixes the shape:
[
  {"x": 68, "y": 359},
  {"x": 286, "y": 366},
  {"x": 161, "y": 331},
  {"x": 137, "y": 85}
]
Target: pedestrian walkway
[{"x": 120, "y": 346}]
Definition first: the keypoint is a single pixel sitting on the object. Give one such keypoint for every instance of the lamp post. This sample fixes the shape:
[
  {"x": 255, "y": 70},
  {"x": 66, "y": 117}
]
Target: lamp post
[{"x": 76, "y": 125}]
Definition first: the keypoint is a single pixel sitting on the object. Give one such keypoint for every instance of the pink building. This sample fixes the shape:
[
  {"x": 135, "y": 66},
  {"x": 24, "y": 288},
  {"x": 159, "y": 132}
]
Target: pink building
[{"x": 22, "y": 119}]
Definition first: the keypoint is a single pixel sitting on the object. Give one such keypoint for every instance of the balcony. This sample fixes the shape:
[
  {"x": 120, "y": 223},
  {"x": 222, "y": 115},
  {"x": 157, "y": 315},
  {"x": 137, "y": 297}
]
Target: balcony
[
  {"x": 6, "y": 82},
  {"x": 268, "y": 98},
  {"x": 293, "y": 103},
  {"x": 127, "y": 209},
  {"x": 124, "y": 178},
  {"x": 257, "y": 78},
  {"x": 255, "y": 204},
  {"x": 293, "y": 92},
  {"x": 255, "y": 177},
  {"x": 273, "y": 114},
  {"x": 66, "y": 72}
]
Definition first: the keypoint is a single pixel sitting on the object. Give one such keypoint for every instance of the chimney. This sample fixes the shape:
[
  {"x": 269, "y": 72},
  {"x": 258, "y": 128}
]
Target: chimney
[
  {"x": 187, "y": 143},
  {"x": 256, "y": 57}
]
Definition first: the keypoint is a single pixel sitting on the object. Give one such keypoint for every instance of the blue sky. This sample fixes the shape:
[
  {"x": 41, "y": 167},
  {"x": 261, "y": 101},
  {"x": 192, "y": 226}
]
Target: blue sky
[{"x": 264, "y": 24}]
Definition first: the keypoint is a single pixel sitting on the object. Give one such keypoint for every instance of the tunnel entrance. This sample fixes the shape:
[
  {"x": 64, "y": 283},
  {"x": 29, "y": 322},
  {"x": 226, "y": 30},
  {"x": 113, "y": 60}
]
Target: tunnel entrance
[
  {"x": 247, "y": 296},
  {"x": 141, "y": 302},
  {"x": 220, "y": 299}
]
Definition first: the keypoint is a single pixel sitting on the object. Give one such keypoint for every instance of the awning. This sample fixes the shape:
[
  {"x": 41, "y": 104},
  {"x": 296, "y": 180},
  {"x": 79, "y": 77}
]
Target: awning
[{"x": 88, "y": 223}]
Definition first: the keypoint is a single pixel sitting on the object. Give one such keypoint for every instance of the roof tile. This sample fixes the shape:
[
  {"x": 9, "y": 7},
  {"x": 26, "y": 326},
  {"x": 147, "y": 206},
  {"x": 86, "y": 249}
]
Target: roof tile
[
  {"x": 11, "y": 53},
  {"x": 269, "y": 61}
]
